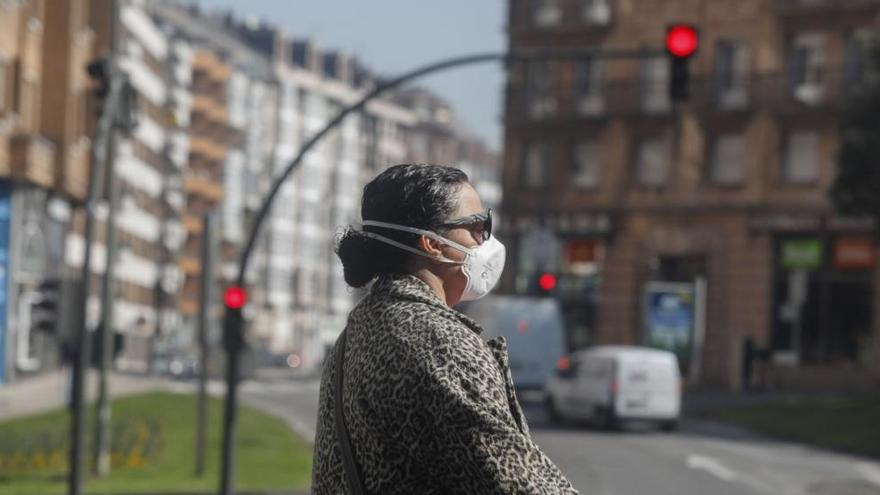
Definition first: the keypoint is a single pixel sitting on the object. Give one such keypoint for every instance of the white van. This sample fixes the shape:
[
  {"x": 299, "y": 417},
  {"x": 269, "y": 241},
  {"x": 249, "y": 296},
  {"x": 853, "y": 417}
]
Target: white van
[
  {"x": 611, "y": 384},
  {"x": 533, "y": 327}
]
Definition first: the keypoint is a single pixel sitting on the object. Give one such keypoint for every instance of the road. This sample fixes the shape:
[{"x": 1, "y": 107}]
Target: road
[{"x": 700, "y": 459}]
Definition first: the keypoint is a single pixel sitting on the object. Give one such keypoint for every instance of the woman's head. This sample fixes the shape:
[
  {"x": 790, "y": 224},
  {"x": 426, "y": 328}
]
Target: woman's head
[{"x": 420, "y": 196}]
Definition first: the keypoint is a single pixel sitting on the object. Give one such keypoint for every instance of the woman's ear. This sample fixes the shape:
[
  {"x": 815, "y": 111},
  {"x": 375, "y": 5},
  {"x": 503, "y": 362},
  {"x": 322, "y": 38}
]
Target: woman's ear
[{"x": 430, "y": 246}]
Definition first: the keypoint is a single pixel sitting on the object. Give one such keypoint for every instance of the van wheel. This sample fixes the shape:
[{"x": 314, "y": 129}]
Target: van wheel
[
  {"x": 669, "y": 426},
  {"x": 552, "y": 411}
]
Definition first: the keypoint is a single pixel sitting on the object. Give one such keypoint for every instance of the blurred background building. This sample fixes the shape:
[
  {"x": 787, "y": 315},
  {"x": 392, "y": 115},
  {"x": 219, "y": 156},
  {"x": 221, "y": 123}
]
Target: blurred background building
[
  {"x": 610, "y": 187},
  {"x": 223, "y": 105}
]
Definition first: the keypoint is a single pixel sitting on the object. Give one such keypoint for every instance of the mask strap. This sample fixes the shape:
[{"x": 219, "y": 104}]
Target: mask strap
[
  {"x": 413, "y": 230},
  {"x": 394, "y": 243}
]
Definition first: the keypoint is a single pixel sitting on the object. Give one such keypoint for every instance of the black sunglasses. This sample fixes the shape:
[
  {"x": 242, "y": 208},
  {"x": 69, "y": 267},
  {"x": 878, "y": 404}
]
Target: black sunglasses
[{"x": 484, "y": 218}]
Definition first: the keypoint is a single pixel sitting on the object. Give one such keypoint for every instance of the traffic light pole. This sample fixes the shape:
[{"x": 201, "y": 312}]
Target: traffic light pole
[
  {"x": 106, "y": 327},
  {"x": 205, "y": 316},
  {"x": 233, "y": 325},
  {"x": 81, "y": 338}
]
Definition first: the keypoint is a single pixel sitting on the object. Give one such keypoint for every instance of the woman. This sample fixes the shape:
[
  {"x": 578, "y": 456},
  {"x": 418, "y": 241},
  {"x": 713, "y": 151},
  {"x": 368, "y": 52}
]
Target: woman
[{"x": 427, "y": 406}]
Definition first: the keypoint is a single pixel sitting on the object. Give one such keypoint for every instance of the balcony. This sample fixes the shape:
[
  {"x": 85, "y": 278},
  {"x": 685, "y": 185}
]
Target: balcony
[
  {"x": 792, "y": 8},
  {"x": 192, "y": 224},
  {"x": 203, "y": 186},
  {"x": 207, "y": 148},
  {"x": 208, "y": 63},
  {"x": 190, "y": 265},
  {"x": 772, "y": 92},
  {"x": 33, "y": 159},
  {"x": 209, "y": 108}
]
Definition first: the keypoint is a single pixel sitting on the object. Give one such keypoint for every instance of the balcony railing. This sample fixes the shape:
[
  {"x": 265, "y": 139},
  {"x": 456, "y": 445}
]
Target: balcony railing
[
  {"x": 773, "y": 92},
  {"x": 207, "y": 148},
  {"x": 203, "y": 186}
]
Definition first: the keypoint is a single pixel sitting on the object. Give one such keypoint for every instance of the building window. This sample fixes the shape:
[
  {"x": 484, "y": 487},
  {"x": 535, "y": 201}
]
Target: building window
[
  {"x": 596, "y": 11},
  {"x": 546, "y": 13},
  {"x": 588, "y": 86},
  {"x": 726, "y": 165},
  {"x": 856, "y": 57},
  {"x": 801, "y": 163},
  {"x": 540, "y": 98},
  {"x": 731, "y": 72},
  {"x": 652, "y": 161},
  {"x": 586, "y": 165},
  {"x": 536, "y": 165},
  {"x": 654, "y": 84},
  {"x": 807, "y": 61}
]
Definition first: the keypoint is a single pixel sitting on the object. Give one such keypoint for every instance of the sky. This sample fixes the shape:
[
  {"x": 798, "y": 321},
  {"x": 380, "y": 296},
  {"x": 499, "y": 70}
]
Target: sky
[{"x": 394, "y": 36}]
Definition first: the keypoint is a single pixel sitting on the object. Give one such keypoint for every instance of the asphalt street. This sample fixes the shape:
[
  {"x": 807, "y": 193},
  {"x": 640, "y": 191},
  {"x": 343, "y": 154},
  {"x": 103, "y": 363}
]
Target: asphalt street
[{"x": 700, "y": 459}]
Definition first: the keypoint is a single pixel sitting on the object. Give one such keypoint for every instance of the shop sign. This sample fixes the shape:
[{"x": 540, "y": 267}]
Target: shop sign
[
  {"x": 854, "y": 253},
  {"x": 582, "y": 251},
  {"x": 803, "y": 254}
]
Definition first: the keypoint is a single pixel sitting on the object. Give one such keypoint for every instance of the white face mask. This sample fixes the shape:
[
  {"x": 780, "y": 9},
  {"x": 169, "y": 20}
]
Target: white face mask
[{"x": 482, "y": 265}]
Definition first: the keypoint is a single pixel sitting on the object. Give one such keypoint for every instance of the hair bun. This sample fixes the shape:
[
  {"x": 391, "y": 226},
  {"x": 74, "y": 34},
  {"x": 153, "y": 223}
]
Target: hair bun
[{"x": 358, "y": 261}]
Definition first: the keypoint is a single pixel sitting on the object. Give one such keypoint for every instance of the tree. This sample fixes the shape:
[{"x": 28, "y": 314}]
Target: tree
[{"x": 856, "y": 189}]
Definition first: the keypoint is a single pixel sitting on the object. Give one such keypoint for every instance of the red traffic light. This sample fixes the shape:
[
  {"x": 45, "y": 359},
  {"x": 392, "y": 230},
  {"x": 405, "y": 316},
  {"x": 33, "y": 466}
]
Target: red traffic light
[
  {"x": 235, "y": 297},
  {"x": 682, "y": 40},
  {"x": 547, "y": 282}
]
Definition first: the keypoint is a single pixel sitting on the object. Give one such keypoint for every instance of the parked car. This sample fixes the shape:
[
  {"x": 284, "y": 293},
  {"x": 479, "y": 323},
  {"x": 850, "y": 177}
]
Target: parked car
[
  {"x": 609, "y": 385},
  {"x": 533, "y": 328}
]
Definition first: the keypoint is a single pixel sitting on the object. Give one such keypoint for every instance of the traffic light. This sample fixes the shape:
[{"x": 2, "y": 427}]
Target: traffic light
[
  {"x": 682, "y": 41},
  {"x": 543, "y": 284},
  {"x": 44, "y": 313},
  {"x": 99, "y": 71},
  {"x": 233, "y": 321}
]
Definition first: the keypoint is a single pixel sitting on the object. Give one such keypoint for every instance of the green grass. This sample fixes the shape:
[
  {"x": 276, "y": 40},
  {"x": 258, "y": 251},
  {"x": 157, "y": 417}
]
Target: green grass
[
  {"x": 849, "y": 425},
  {"x": 270, "y": 456}
]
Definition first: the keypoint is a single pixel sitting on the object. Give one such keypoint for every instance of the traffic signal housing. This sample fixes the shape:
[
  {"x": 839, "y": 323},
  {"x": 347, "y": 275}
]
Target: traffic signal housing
[
  {"x": 99, "y": 71},
  {"x": 234, "y": 300},
  {"x": 682, "y": 42},
  {"x": 543, "y": 284},
  {"x": 45, "y": 312}
]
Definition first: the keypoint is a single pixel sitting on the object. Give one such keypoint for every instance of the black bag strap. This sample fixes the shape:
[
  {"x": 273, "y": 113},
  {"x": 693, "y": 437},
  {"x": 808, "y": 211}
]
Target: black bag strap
[{"x": 351, "y": 471}]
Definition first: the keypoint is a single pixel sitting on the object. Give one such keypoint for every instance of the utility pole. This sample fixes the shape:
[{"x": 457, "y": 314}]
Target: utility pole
[
  {"x": 106, "y": 326},
  {"x": 205, "y": 317}
]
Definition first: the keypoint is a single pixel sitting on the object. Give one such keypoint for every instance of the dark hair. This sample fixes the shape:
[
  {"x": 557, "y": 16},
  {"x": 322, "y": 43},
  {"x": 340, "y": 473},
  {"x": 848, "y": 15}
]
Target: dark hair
[{"x": 421, "y": 196}]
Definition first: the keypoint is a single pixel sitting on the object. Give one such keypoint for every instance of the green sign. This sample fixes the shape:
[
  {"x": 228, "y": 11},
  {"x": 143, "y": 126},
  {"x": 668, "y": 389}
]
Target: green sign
[{"x": 804, "y": 254}]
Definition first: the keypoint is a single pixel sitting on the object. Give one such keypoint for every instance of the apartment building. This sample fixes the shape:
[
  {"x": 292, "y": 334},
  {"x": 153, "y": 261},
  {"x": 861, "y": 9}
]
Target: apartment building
[
  {"x": 717, "y": 206},
  {"x": 149, "y": 165},
  {"x": 43, "y": 164}
]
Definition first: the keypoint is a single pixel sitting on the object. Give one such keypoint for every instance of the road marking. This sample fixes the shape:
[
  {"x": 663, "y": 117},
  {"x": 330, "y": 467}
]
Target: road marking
[
  {"x": 870, "y": 472},
  {"x": 711, "y": 466}
]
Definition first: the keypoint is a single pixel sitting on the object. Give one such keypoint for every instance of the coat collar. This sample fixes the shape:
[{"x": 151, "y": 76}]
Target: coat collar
[{"x": 411, "y": 288}]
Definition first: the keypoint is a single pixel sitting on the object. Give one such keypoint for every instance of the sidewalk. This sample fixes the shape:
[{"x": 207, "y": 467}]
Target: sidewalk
[
  {"x": 697, "y": 403},
  {"x": 49, "y": 391}
]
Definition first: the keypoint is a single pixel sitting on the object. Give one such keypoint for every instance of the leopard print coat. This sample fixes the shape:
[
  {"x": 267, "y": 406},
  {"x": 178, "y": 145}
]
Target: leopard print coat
[{"x": 430, "y": 407}]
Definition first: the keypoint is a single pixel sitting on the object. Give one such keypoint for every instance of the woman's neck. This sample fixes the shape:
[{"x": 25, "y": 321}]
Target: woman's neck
[{"x": 434, "y": 282}]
